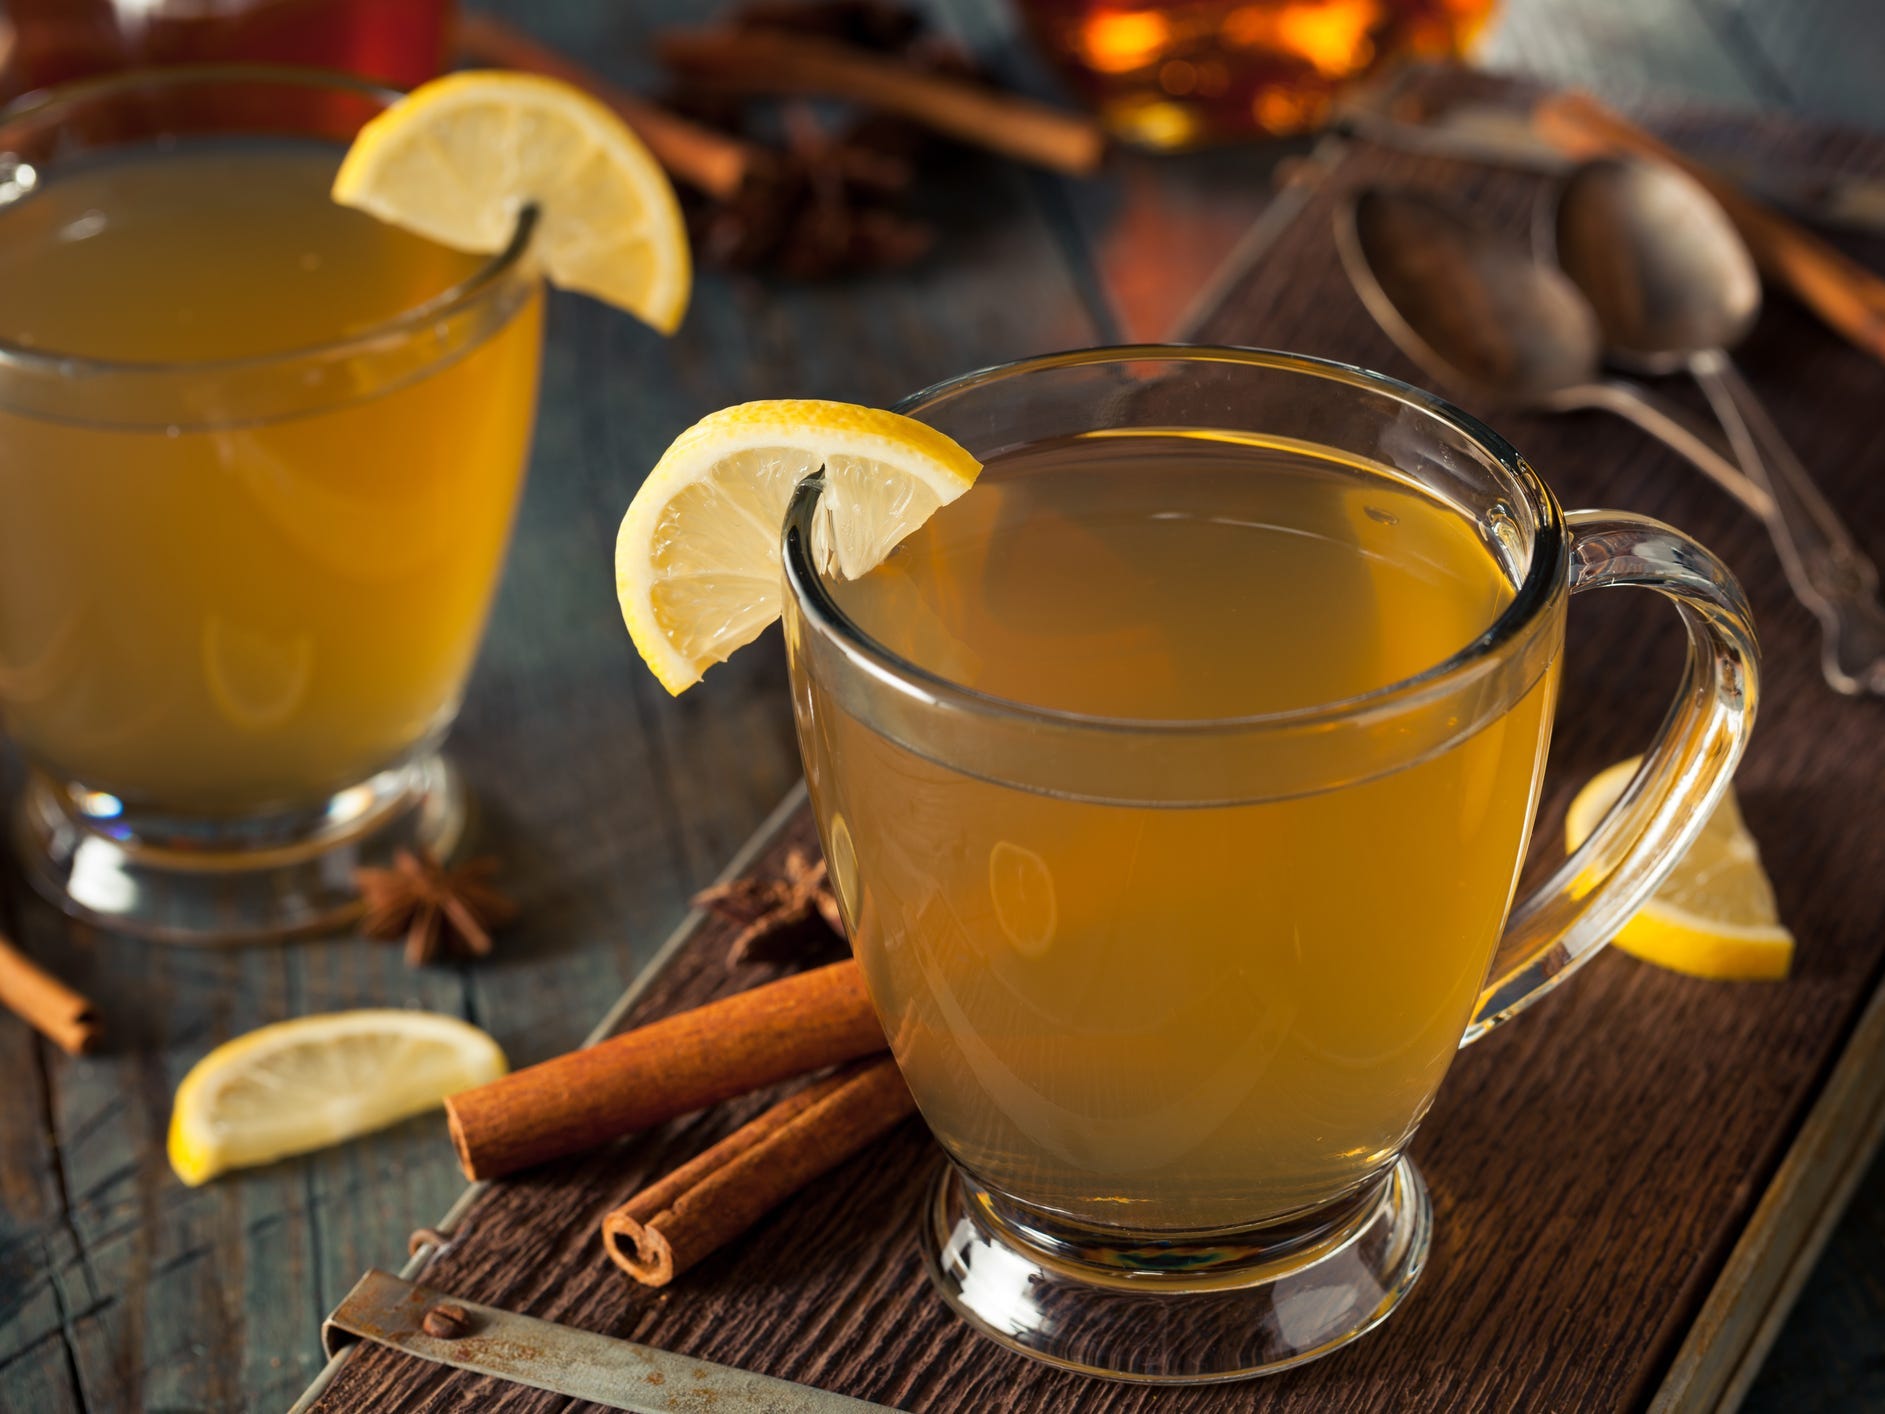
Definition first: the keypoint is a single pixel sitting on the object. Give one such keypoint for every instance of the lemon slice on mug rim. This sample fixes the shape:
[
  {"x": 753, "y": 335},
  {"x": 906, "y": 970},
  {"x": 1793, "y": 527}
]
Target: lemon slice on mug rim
[
  {"x": 697, "y": 559},
  {"x": 458, "y": 160}
]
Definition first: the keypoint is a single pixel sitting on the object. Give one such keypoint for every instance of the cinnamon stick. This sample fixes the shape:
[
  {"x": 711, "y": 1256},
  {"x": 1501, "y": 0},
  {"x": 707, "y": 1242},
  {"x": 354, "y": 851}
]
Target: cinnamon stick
[
  {"x": 714, "y": 1197},
  {"x": 51, "y": 1008},
  {"x": 1845, "y": 295},
  {"x": 712, "y": 161},
  {"x": 780, "y": 64},
  {"x": 668, "y": 1068}
]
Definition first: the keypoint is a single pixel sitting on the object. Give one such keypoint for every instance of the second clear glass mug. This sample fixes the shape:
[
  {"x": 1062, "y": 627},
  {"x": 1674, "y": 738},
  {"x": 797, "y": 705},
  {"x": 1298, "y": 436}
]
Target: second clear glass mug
[
  {"x": 1178, "y": 1175},
  {"x": 240, "y": 596}
]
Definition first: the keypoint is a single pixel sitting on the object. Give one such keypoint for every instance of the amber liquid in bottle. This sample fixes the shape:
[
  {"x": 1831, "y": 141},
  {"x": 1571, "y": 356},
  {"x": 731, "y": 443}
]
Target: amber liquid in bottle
[{"x": 1178, "y": 74}]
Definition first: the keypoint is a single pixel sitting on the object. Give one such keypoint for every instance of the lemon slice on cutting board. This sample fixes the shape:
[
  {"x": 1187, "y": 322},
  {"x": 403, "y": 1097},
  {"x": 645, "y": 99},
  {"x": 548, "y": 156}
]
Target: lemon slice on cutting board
[
  {"x": 697, "y": 566},
  {"x": 458, "y": 159},
  {"x": 1714, "y": 916},
  {"x": 302, "y": 1085}
]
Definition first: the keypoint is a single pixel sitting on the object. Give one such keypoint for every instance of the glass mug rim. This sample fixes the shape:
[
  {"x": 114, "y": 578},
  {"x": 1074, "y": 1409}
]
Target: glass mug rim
[
  {"x": 1543, "y": 585},
  {"x": 52, "y": 104}
]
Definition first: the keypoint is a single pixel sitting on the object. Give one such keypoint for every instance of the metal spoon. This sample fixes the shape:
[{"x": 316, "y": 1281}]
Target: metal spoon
[
  {"x": 1474, "y": 309},
  {"x": 1673, "y": 287}
]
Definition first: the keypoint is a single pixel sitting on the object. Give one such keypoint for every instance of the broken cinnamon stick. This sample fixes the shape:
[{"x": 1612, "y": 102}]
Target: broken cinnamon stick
[
  {"x": 51, "y": 1008},
  {"x": 779, "y": 64},
  {"x": 668, "y": 1068},
  {"x": 712, "y": 161},
  {"x": 714, "y": 1197}
]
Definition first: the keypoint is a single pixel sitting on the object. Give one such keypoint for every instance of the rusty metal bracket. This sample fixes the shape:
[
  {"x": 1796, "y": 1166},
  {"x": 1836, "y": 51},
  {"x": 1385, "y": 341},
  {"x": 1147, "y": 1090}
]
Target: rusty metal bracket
[{"x": 432, "y": 1325}]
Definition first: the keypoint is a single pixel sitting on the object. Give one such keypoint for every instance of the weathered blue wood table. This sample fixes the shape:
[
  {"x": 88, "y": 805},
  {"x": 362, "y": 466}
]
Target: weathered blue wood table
[{"x": 610, "y": 803}]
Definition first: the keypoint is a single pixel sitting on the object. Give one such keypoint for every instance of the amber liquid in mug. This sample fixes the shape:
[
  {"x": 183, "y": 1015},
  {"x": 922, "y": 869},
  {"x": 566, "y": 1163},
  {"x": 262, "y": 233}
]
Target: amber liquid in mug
[
  {"x": 1154, "y": 1015},
  {"x": 235, "y": 615}
]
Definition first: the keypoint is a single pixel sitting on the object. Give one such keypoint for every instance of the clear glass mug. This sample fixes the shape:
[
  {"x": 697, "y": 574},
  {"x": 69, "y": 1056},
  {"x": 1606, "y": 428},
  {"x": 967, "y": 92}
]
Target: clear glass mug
[
  {"x": 1177, "y": 1133},
  {"x": 239, "y": 596}
]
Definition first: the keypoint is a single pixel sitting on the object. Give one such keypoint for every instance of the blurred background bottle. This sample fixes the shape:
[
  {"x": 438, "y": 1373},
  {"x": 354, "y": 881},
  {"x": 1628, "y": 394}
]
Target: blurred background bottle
[
  {"x": 396, "y": 42},
  {"x": 1179, "y": 74}
]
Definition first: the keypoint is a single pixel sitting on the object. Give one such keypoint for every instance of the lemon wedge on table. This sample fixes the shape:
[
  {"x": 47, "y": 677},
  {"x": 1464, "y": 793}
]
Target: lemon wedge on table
[
  {"x": 1714, "y": 916},
  {"x": 302, "y": 1085},
  {"x": 697, "y": 566},
  {"x": 459, "y": 158}
]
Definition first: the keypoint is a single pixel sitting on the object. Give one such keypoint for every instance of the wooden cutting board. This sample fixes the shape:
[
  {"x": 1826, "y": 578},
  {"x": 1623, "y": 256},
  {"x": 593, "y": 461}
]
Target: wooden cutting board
[{"x": 1629, "y": 1181}]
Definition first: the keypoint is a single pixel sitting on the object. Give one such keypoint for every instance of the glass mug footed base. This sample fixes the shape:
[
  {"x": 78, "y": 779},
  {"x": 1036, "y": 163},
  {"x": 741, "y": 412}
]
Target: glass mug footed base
[
  {"x": 1176, "y": 909},
  {"x": 1230, "y": 1307},
  {"x": 177, "y": 880}
]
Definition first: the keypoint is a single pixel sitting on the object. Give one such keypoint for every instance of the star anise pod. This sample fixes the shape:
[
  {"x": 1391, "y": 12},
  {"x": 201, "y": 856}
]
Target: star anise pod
[
  {"x": 790, "y": 916},
  {"x": 832, "y": 200},
  {"x": 821, "y": 208},
  {"x": 441, "y": 913}
]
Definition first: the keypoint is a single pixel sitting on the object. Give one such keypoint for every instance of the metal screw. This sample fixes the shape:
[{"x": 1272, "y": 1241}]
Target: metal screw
[{"x": 446, "y": 1321}]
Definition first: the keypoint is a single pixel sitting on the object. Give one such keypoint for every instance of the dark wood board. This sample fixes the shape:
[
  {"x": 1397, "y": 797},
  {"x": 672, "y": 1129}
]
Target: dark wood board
[
  {"x": 610, "y": 803},
  {"x": 1593, "y": 1165}
]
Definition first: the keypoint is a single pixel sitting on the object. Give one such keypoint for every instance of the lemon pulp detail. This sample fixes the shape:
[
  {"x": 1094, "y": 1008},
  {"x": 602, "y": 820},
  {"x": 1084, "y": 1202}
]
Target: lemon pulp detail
[
  {"x": 697, "y": 559},
  {"x": 1715, "y": 915}
]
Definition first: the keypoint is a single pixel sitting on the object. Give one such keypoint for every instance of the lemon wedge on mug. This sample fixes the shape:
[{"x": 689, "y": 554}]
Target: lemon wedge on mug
[
  {"x": 302, "y": 1085},
  {"x": 458, "y": 159},
  {"x": 1714, "y": 916},
  {"x": 697, "y": 564}
]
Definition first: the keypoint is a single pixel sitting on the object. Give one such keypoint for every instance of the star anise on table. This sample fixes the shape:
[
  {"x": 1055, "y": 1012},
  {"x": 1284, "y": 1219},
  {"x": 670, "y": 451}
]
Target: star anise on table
[
  {"x": 820, "y": 208},
  {"x": 832, "y": 198},
  {"x": 441, "y": 913},
  {"x": 791, "y": 916}
]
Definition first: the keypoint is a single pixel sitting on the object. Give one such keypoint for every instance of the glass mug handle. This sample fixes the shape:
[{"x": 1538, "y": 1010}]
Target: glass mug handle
[{"x": 1564, "y": 923}]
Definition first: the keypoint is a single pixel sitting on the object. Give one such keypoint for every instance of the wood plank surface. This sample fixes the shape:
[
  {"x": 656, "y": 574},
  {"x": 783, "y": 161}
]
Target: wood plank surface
[
  {"x": 608, "y": 803},
  {"x": 1820, "y": 57},
  {"x": 1592, "y": 1165},
  {"x": 1744, "y": 1313},
  {"x": 120, "y": 1290}
]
